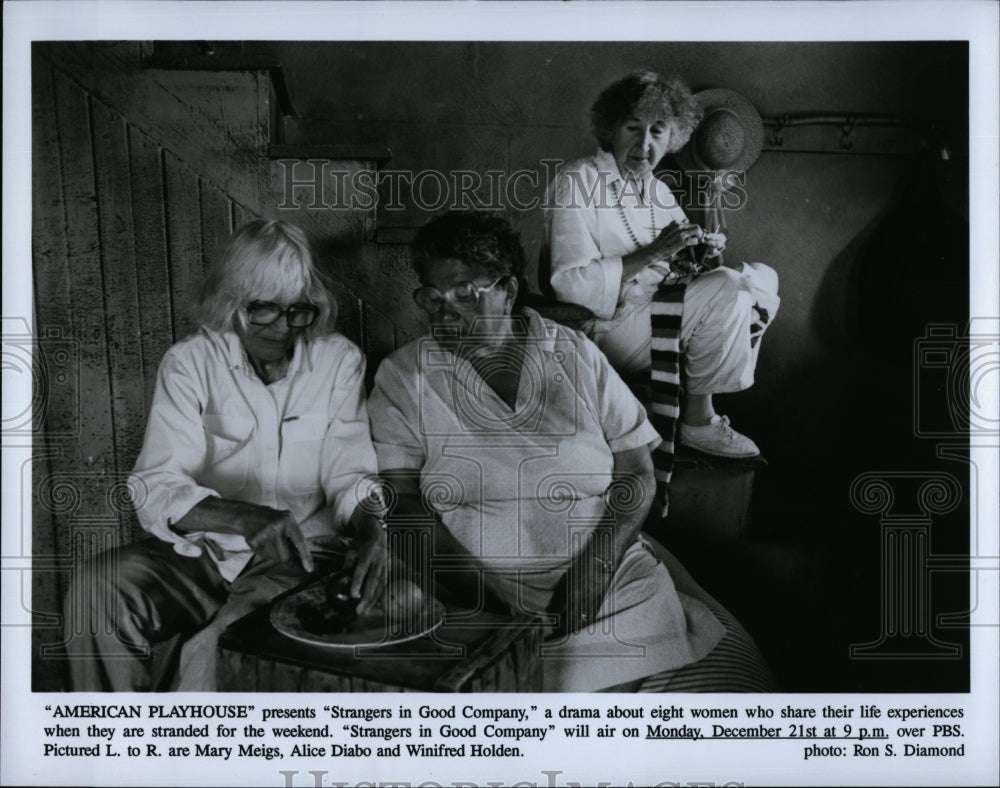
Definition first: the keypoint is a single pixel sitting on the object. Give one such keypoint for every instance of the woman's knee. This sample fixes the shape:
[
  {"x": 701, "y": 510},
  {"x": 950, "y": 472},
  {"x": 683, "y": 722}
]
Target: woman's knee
[
  {"x": 94, "y": 604},
  {"x": 721, "y": 289},
  {"x": 122, "y": 581},
  {"x": 764, "y": 277},
  {"x": 121, "y": 569},
  {"x": 732, "y": 297},
  {"x": 145, "y": 590}
]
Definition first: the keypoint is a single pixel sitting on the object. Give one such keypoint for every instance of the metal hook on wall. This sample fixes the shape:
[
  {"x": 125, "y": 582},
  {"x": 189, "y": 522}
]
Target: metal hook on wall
[
  {"x": 891, "y": 135},
  {"x": 777, "y": 131},
  {"x": 847, "y": 133}
]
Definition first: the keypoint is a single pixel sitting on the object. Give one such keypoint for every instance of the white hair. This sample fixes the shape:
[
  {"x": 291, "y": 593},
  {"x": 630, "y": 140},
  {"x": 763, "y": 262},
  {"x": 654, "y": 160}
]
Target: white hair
[{"x": 265, "y": 261}]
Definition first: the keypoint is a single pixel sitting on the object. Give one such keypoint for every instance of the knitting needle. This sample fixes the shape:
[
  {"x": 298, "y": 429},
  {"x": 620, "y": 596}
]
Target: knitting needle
[
  {"x": 692, "y": 255},
  {"x": 704, "y": 252}
]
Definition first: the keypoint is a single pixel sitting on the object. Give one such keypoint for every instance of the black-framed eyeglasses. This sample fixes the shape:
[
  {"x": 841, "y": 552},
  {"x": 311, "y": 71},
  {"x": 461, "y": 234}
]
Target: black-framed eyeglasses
[
  {"x": 464, "y": 296},
  {"x": 265, "y": 313}
]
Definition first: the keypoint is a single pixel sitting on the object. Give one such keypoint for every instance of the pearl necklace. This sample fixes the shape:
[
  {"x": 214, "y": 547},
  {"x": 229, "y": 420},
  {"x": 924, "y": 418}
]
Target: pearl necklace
[{"x": 624, "y": 217}]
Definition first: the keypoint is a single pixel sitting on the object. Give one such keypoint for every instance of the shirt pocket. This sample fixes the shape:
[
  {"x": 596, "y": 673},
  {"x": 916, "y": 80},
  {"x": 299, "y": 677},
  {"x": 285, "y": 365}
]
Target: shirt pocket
[
  {"x": 227, "y": 449},
  {"x": 301, "y": 447}
]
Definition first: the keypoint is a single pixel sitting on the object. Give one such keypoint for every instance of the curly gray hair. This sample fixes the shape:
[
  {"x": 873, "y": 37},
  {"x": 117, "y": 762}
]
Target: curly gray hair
[{"x": 646, "y": 93}]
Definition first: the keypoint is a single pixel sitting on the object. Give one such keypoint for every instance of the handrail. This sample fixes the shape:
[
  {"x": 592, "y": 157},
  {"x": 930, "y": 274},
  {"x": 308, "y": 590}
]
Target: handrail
[{"x": 849, "y": 123}]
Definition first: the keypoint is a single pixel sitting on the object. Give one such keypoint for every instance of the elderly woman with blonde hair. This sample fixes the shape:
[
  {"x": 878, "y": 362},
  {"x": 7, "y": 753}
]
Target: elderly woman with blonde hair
[{"x": 257, "y": 440}]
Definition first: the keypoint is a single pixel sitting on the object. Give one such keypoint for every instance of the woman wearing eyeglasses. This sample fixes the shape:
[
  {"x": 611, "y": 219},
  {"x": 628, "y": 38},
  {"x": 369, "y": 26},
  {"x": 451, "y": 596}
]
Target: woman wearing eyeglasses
[
  {"x": 257, "y": 440},
  {"x": 534, "y": 457}
]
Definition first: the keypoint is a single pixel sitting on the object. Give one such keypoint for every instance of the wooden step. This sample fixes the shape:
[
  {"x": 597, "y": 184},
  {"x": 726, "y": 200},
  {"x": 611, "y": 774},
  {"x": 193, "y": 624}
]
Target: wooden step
[{"x": 710, "y": 496}]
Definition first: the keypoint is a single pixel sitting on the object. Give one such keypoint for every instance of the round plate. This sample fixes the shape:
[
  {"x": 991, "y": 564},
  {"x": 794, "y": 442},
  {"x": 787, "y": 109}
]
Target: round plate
[{"x": 372, "y": 629}]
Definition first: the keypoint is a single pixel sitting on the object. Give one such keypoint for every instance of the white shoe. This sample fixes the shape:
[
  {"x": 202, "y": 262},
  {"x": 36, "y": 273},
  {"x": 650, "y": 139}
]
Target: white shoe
[{"x": 717, "y": 438}]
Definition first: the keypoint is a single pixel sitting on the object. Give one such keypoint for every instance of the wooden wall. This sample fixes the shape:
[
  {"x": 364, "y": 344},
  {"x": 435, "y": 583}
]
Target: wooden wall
[
  {"x": 139, "y": 178},
  {"x": 122, "y": 233}
]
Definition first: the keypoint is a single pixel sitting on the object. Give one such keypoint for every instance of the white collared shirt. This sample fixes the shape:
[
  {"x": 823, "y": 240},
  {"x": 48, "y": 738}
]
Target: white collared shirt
[
  {"x": 215, "y": 429},
  {"x": 587, "y": 237}
]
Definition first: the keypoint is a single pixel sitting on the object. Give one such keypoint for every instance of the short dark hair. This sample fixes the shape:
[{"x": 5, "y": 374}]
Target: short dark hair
[
  {"x": 474, "y": 237},
  {"x": 644, "y": 91}
]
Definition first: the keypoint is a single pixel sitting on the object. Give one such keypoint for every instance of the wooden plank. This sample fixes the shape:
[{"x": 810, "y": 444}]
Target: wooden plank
[
  {"x": 349, "y": 318},
  {"x": 152, "y": 272},
  {"x": 93, "y": 454},
  {"x": 392, "y": 264},
  {"x": 215, "y": 224},
  {"x": 380, "y": 334},
  {"x": 207, "y": 119},
  {"x": 56, "y": 411},
  {"x": 240, "y": 215},
  {"x": 374, "y": 152},
  {"x": 48, "y": 583},
  {"x": 56, "y": 348},
  {"x": 380, "y": 340},
  {"x": 402, "y": 337},
  {"x": 120, "y": 301},
  {"x": 151, "y": 260},
  {"x": 50, "y": 266},
  {"x": 183, "y": 217}
]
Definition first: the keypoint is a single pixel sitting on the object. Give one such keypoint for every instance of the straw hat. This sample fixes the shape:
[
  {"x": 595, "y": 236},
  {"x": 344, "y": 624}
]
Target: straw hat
[{"x": 729, "y": 137}]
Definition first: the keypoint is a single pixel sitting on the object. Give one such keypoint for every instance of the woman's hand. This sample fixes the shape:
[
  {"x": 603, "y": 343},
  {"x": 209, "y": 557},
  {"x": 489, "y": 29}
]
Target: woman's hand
[
  {"x": 674, "y": 239},
  {"x": 368, "y": 558},
  {"x": 274, "y": 534},
  {"x": 270, "y": 533},
  {"x": 583, "y": 588},
  {"x": 714, "y": 244},
  {"x": 628, "y": 498},
  {"x": 666, "y": 254}
]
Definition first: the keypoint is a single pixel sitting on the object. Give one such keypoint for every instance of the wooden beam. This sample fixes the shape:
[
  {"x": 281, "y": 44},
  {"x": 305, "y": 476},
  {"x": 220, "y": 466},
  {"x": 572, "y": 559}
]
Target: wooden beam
[
  {"x": 374, "y": 152},
  {"x": 149, "y": 226}
]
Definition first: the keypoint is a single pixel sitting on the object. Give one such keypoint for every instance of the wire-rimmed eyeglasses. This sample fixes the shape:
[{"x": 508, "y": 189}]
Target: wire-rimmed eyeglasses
[
  {"x": 265, "y": 313},
  {"x": 464, "y": 296}
]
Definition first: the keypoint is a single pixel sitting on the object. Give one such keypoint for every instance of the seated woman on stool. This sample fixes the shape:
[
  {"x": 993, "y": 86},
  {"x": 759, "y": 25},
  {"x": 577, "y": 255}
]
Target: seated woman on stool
[
  {"x": 615, "y": 233},
  {"x": 257, "y": 440},
  {"x": 534, "y": 457}
]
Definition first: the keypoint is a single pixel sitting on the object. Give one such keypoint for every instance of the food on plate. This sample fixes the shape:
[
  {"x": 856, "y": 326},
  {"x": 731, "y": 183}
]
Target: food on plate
[
  {"x": 335, "y": 611},
  {"x": 331, "y": 609},
  {"x": 324, "y": 613}
]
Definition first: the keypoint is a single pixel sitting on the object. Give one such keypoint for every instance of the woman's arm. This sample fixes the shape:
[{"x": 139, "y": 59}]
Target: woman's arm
[
  {"x": 271, "y": 533},
  {"x": 582, "y": 272},
  {"x": 348, "y": 472},
  {"x": 665, "y": 250},
  {"x": 628, "y": 501},
  {"x": 409, "y": 510}
]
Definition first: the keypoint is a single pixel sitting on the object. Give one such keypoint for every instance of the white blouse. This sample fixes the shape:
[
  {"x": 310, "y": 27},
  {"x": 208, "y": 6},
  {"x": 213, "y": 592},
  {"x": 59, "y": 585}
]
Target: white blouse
[
  {"x": 593, "y": 217},
  {"x": 548, "y": 461},
  {"x": 521, "y": 489},
  {"x": 215, "y": 429}
]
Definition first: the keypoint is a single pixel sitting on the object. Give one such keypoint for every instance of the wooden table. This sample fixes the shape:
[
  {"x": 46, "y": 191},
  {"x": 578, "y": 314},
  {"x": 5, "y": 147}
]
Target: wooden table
[{"x": 471, "y": 651}]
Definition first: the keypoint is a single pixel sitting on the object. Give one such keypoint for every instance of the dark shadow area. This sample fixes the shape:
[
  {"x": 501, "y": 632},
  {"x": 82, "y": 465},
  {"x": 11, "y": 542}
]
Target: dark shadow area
[{"x": 846, "y": 502}]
